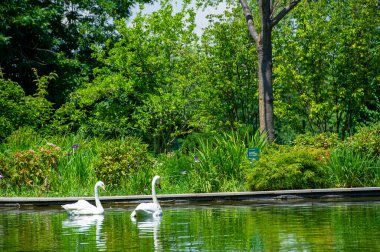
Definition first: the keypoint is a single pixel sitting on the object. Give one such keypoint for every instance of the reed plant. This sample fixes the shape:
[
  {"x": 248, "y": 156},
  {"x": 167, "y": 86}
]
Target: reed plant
[
  {"x": 222, "y": 160},
  {"x": 356, "y": 161},
  {"x": 349, "y": 168},
  {"x": 174, "y": 168},
  {"x": 77, "y": 175}
]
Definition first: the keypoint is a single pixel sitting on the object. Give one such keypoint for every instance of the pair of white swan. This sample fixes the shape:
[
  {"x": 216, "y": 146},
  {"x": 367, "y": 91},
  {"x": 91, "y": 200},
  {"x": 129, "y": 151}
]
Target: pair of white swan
[{"x": 143, "y": 210}]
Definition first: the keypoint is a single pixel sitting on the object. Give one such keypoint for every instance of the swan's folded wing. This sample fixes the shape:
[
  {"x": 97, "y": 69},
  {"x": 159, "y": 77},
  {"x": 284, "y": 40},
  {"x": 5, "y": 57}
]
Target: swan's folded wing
[
  {"x": 147, "y": 209},
  {"x": 80, "y": 205}
]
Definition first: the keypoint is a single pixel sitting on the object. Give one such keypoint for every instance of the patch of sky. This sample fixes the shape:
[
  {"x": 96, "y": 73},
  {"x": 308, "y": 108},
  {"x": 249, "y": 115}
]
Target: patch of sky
[{"x": 201, "y": 13}]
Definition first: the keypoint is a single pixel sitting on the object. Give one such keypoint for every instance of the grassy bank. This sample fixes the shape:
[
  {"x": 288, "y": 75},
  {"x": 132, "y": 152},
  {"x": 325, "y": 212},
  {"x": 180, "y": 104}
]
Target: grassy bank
[{"x": 35, "y": 165}]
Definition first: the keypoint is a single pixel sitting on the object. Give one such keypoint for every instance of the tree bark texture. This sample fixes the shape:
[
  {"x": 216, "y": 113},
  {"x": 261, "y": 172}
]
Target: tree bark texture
[
  {"x": 264, "y": 51},
  {"x": 266, "y": 113}
]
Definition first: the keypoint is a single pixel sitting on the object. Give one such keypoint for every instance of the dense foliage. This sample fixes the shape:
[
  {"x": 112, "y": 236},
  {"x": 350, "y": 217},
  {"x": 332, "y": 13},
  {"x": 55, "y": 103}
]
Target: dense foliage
[
  {"x": 55, "y": 36},
  {"x": 289, "y": 168},
  {"x": 70, "y": 165},
  {"x": 152, "y": 91},
  {"x": 120, "y": 160},
  {"x": 327, "y": 75},
  {"x": 30, "y": 168}
]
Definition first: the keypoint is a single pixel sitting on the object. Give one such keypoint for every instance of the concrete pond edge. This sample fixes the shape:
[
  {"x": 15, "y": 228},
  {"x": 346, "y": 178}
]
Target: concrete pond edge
[{"x": 279, "y": 196}]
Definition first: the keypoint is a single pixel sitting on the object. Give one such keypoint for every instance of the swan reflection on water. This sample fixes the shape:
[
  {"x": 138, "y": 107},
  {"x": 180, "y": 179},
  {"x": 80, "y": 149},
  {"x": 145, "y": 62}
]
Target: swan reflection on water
[
  {"x": 82, "y": 224},
  {"x": 150, "y": 226}
]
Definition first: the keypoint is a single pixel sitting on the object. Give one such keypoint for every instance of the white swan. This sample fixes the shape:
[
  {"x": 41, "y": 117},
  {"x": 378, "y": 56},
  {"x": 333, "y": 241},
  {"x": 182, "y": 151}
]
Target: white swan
[
  {"x": 82, "y": 207},
  {"x": 152, "y": 209}
]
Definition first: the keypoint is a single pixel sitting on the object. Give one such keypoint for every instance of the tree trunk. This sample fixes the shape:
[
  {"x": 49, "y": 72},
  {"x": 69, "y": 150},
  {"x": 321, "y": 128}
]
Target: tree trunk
[{"x": 264, "y": 51}]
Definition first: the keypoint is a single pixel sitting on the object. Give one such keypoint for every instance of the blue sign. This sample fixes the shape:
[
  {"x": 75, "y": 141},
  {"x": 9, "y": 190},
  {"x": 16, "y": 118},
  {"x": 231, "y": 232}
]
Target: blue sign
[{"x": 253, "y": 153}]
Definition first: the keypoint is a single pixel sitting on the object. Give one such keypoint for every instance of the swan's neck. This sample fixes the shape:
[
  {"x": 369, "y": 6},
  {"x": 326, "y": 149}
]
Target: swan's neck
[
  {"x": 154, "y": 196},
  {"x": 97, "y": 201}
]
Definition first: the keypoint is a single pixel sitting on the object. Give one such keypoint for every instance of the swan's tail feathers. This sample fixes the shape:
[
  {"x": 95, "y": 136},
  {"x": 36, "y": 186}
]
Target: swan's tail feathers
[{"x": 68, "y": 207}]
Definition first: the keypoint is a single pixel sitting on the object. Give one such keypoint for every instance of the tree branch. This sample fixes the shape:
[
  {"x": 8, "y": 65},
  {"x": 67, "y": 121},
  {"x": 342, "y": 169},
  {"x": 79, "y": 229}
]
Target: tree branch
[
  {"x": 283, "y": 12},
  {"x": 248, "y": 16},
  {"x": 271, "y": 6},
  {"x": 274, "y": 7}
]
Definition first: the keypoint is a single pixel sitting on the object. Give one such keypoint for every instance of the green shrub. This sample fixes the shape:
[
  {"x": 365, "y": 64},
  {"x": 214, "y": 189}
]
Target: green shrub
[
  {"x": 22, "y": 139},
  {"x": 18, "y": 110},
  {"x": 120, "y": 160},
  {"x": 283, "y": 167},
  {"x": 12, "y": 107},
  {"x": 30, "y": 168},
  {"x": 366, "y": 140},
  {"x": 67, "y": 119},
  {"x": 192, "y": 141},
  {"x": 323, "y": 140}
]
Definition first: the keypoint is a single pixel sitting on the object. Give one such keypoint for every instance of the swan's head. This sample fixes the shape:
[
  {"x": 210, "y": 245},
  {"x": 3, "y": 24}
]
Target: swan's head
[
  {"x": 101, "y": 184},
  {"x": 157, "y": 181}
]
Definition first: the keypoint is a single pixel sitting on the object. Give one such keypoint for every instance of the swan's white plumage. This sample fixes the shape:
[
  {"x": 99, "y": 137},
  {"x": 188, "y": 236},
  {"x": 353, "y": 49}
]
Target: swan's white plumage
[
  {"x": 151, "y": 209},
  {"x": 147, "y": 210},
  {"x": 82, "y": 207}
]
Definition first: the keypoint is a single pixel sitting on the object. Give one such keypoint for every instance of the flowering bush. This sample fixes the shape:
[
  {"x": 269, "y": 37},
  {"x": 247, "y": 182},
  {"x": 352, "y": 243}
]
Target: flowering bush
[{"x": 27, "y": 168}]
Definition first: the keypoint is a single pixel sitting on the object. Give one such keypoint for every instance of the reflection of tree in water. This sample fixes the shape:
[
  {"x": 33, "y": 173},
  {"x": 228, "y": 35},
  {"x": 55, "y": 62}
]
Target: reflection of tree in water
[
  {"x": 148, "y": 227},
  {"x": 83, "y": 224}
]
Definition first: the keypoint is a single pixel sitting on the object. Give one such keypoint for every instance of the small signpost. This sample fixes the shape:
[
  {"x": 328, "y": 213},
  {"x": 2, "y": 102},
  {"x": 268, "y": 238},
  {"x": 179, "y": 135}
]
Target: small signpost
[{"x": 253, "y": 154}]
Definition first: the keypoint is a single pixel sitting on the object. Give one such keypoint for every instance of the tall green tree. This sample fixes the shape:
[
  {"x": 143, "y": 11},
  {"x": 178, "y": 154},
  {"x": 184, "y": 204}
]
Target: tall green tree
[
  {"x": 161, "y": 83},
  {"x": 229, "y": 73},
  {"x": 55, "y": 36},
  {"x": 261, "y": 18},
  {"x": 326, "y": 84},
  {"x": 144, "y": 88},
  {"x": 19, "y": 110}
]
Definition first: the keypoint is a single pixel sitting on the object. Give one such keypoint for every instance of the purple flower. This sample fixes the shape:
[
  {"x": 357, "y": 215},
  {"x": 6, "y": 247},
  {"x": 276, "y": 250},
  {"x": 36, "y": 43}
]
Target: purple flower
[
  {"x": 1, "y": 176},
  {"x": 75, "y": 146},
  {"x": 196, "y": 159}
]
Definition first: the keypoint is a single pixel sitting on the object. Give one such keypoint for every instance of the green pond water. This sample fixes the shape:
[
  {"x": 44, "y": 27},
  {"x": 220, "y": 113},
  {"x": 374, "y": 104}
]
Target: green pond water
[{"x": 314, "y": 226}]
